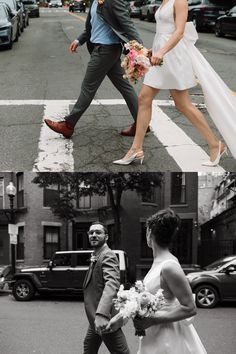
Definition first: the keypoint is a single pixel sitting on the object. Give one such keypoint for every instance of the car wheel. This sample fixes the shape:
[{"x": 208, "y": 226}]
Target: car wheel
[
  {"x": 23, "y": 290},
  {"x": 149, "y": 17},
  {"x": 218, "y": 31},
  {"x": 206, "y": 296},
  {"x": 142, "y": 18},
  {"x": 17, "y": 36},
  {"x": 195, "y": 23},
  {"x": 9, "y": 45}
]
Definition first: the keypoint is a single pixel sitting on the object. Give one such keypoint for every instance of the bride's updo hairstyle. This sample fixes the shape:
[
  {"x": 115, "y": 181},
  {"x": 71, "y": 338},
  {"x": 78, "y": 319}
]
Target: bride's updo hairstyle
[{"x": 163, "y": 226}]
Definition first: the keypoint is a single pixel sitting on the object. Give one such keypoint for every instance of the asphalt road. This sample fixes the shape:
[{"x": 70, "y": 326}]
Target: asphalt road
[
  {"x": 58, "y": 326},
  {"x": 40, "y": 78}
]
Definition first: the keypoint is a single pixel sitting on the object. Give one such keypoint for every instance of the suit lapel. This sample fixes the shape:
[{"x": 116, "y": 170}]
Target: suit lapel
[{"x": 89, "y": 273}]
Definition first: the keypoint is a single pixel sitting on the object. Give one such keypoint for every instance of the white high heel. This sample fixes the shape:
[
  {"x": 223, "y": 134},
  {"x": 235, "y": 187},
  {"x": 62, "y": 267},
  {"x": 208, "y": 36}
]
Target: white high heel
[
  {"x": 133, "y": 158},
  {"x": 218, "y": 157}
]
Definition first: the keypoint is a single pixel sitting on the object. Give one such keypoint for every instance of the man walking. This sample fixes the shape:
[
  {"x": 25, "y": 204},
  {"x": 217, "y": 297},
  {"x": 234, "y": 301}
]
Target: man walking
[
  {"x": 101, "y": 284},
  {"x": 108, "y": 25}
]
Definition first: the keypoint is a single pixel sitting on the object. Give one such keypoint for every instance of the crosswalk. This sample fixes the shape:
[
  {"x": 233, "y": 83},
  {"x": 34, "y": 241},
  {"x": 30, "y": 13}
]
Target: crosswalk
[{"x": 57, "y": 154}]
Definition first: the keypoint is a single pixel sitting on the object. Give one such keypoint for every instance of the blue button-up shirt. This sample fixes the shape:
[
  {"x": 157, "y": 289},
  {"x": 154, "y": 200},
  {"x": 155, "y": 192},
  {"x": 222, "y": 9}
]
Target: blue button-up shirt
[{"x": 101, "y": 32}]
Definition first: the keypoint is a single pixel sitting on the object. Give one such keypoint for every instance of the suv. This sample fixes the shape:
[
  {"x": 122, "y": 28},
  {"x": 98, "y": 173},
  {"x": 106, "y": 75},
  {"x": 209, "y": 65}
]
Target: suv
[
  {"x": 148, "y": 9},
  {"x": 64, "y": 274},
  {"x": 216, "y": 282},
  {"x": 32, "y": 6},
  {"x": 77, "y": 5},
  {"x": 203, "y": 13}
]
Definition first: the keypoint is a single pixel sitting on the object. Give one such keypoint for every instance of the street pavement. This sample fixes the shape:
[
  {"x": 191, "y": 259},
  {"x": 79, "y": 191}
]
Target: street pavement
[
  {"x": 58, "y": 325},
  {"x": 39, "y": 79}
]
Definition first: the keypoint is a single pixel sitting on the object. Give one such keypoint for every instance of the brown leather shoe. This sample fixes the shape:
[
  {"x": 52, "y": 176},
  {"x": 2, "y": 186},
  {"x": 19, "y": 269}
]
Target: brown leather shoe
[
  {"x": 131, "y": 130},
  {"x": 60, "y": 127}
]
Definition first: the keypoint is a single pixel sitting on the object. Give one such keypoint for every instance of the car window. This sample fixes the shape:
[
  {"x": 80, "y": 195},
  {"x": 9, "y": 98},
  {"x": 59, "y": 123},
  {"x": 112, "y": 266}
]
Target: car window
[
  {"x": 233, "y": 11},
  {"x": 28, "y": 2},
  {"x": 62, "y": 260},
  {"x": 83, "y": 259},
  {"x": 217, "y": 264}
]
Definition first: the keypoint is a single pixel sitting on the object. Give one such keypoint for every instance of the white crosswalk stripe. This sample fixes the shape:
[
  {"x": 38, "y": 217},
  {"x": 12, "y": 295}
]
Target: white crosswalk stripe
[{"x": 56, "y": 153}]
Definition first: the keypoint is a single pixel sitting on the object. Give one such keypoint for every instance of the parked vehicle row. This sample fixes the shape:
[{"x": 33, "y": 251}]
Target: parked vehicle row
[
  {"x": 217, "y": 15},
  {"x": 14, "y": 18}
]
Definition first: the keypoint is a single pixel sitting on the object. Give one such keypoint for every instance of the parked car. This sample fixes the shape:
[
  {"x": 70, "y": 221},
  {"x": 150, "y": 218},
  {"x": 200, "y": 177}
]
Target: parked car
[
  {"x": 148, "y": 9},
  {"x": 77, "y": 5},
  {"x": 190, "y": 268},
  {"x": 203, "y": 13},
  {"x": 25, "y": 13},
  {"x": 55, "y": 3},
  {"x": 134, "y": 8},
  {"x": 9, "y": 30},
  {"x": 33, "y": 7},
  {"x": 17, "y": 12},
  {"x": 226, "y": 24},
  {"x": 216, "y": 282},
  {"x": 64, "y": 274}
]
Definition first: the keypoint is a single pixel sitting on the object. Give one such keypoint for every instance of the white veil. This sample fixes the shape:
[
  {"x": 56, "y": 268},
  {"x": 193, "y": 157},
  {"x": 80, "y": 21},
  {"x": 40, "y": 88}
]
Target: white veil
[{"x": 219, "y": 99}]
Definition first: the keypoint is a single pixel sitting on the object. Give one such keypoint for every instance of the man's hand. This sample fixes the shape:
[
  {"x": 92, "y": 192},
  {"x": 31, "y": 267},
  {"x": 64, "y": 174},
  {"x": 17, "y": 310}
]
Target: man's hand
[
  {"x": 73, "y": 46},
  {"x": 100, "y": 323}
]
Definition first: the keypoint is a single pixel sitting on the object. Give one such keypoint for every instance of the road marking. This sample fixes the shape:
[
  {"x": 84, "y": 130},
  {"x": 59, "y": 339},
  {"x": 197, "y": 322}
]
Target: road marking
[
  {"x": 186, "y": 153},
  {"x": 79, "y": 17},
  {"x": 56, "y": 153}
]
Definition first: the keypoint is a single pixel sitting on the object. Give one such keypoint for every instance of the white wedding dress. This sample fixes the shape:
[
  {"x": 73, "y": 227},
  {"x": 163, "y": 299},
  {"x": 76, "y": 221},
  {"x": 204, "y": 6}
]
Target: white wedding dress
[
  {"x": 170, "y": 338},
  {"x": 184, "y": 67}
]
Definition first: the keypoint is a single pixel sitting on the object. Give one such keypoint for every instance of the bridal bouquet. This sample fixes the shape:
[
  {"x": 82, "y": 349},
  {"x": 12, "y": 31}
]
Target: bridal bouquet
[
  {"x": 137, "y": 301},
  {"x": 137, "y": 62}
]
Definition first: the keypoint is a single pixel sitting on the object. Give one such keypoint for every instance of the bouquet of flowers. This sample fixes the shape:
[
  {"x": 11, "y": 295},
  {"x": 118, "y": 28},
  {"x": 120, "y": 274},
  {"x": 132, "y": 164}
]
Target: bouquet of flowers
[
  {"x": 137, "y": 62},
  {"x": 137, "y": 301}
]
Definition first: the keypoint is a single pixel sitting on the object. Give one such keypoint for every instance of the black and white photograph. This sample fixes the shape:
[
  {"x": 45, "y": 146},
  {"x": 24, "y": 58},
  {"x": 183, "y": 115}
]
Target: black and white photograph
[
  {"x": 134, "y": 263},
  {"x": 117, "y": 176}
]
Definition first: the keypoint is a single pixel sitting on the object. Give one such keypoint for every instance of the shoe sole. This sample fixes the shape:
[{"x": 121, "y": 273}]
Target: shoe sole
[{"x": 65, "y": 136}]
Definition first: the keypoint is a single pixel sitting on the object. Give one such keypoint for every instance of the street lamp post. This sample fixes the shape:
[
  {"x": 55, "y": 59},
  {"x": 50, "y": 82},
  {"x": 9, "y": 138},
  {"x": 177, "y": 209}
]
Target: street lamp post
[{"x": 11, "y": 192}]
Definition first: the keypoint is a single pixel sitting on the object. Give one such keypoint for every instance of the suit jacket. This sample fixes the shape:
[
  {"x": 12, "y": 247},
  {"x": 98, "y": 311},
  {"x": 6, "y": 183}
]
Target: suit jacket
[
  {"x": 115, "y": 13},
  {"x": 102, "y": 286}
]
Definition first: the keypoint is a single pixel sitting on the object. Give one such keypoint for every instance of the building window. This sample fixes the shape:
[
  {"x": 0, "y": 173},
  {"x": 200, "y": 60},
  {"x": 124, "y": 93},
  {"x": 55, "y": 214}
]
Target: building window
[
  {"x": 20, "y": 190},
  {"x": 20, "y": 243},
  {"x": 1, "y": 192},
  {"x": 178, "y": 188},
  {"x": 146, "y": 252},
  {"x": 182, "y": 243},
  {"x": 150, "y": 196},
  {"x": 51, "y": 195},
  {"x": 84, "y": 202},
  {"x": 51, "y": 240}
]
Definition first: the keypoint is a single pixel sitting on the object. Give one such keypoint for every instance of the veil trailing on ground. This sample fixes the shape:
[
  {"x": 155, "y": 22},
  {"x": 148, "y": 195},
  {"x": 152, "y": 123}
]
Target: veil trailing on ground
[{"x": 219, "y": 99}]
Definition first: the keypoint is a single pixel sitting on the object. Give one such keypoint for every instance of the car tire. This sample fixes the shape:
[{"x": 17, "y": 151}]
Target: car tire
[
  {"x": 195, "y": 23},
  {"x": 218, "y": 31},
  {"x": 142, "y": 18},
  {"x": 23, "y": 290},
  {"x": 206, "y": 296},
  {"x": 17, "y": 36},
  {"x": 10, "y": 45},
  {"x": 149, "y": 17}
]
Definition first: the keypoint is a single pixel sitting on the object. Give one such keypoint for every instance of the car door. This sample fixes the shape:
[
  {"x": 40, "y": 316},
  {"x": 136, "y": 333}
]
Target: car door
[
  {"x": 60, "y": 276},
  {"x": 82, "y": 262},
  {"x": 229, "y": 23},
  {"x": 228, "y": 284},
  {"x": 14, "y": 21}
]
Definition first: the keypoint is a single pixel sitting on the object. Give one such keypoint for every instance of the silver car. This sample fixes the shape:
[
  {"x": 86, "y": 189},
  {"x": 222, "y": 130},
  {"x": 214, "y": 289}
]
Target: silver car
[{"x": 148, "y": 9}]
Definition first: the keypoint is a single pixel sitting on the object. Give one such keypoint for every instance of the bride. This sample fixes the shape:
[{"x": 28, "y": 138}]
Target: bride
[
  {"x": 171, "y": 331},
  {"x": 183, "y": 68}
]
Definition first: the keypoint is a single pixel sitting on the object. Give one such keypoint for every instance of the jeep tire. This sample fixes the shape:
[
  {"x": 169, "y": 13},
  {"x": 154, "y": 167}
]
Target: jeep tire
[
  {"x": 206, "y": 296},
  {"x": 23, "y": 290}
]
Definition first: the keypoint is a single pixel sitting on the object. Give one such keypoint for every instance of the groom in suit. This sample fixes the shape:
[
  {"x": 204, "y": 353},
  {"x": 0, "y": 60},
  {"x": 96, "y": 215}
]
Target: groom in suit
[
  {"x": 108, "y": 25},
  {"x": 101, "y": 284}
]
